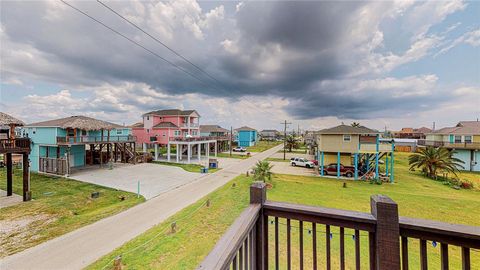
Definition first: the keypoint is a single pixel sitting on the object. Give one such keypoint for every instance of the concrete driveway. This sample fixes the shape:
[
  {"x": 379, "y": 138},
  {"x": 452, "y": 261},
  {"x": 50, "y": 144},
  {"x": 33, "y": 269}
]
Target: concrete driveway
[
  {"x": 281, "y": 167},
  {"x": 154, "y": 179}
]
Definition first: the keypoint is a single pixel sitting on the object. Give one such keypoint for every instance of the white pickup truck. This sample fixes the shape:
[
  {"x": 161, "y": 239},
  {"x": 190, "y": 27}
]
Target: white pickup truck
[{"x": 302, "y": 162}]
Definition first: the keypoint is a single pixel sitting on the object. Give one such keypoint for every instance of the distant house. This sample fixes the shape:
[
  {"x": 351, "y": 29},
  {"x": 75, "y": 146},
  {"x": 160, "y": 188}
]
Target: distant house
[
  {"x": 158, "y": 127},
  {"x": 269, "y": 134},
  {"x": 412, "y": 133},
  {"x": 220, "y": 134},
  {"x": 246, "y": 136},
  {"x": 360, "y": 147},
  {"x": 61, "y": 144},
  {"x": 464, "y": 138}
]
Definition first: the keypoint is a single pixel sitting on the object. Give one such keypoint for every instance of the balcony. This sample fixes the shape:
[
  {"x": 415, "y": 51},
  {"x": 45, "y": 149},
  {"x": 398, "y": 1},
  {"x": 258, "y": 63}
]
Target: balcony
[
  {"x": 249, "y": 243},
  {"x": 198, "y": 138},
  {"x": 17, "y": 145},
  {"x": 191, "y": 125},
  {"x": 454, "y": 145},
  {"x": 66, "y": 140}
]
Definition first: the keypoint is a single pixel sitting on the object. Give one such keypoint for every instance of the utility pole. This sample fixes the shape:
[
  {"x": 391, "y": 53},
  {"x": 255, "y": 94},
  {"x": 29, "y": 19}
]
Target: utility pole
[
  {"x": 231, "y": 140},
  {"x": 285, "y": 138}
]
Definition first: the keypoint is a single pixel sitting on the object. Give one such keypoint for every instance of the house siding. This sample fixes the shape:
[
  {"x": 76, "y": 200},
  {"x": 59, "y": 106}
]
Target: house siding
[{"x": 247, "y": 138}]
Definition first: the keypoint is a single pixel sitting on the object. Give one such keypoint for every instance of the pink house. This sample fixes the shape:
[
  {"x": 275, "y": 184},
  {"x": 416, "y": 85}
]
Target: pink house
[{"x": 160, "y": 127}]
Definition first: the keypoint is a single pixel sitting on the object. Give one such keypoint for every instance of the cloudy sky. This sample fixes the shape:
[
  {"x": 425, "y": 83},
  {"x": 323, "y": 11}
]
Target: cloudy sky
[{"x": 315, "y": 64}]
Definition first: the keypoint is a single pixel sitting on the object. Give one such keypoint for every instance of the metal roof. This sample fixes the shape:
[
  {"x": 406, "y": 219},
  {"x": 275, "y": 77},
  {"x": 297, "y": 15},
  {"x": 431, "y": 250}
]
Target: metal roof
[{"x": 345, "y": 129}]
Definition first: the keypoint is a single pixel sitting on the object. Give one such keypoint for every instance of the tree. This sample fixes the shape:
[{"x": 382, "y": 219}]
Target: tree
[
  {"x": 355, "y": 124},
  {"x": 291, "y": 142},
  {"x": 431, "y": 160},
  {"x": 263, "y": 171}
]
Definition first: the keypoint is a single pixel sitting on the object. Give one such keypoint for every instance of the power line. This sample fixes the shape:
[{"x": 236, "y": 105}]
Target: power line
[
  {"x": 134, "y": 42},
  {"x": 176, "y": 53},
  {"x": 285, "y": 138},
  {"x": 157, "y": 40}
]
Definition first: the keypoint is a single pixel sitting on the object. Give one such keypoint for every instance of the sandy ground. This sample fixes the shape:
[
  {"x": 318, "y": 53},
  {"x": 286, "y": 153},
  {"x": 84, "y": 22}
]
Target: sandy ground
[
  {"x": 281, "y": 167},
  {"x": 10, "y": 200}
]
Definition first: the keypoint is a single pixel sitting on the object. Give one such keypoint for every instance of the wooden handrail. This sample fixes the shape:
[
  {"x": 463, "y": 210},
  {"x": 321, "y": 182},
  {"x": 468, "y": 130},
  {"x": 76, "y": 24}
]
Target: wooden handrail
[
  {"x": 454, "y": 234},
  {"x": 227, "y": 247},
  {"x": 322, "y": 215}
]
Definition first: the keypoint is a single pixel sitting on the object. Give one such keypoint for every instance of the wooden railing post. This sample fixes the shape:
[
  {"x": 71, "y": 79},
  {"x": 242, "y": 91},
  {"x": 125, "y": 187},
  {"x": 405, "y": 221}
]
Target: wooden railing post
[
  {"x": 387, "y": 233},
  {"x": 258, "y": 195}
]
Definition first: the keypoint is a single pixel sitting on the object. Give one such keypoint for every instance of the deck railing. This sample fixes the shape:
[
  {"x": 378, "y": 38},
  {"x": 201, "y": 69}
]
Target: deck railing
[
  {"x": 199, "y": 138},
  {"x": 94, "y": 139},
  {"x": 460, "y": 145},
  {"x": 248, "y": 243},
  {"x": 15, "y": 145}
]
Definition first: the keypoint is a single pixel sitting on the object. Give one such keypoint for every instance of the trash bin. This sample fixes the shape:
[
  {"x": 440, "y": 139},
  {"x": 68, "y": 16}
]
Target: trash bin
[
  {"x": 213, "y": 163},
  {"x": 204, "y": 170}
]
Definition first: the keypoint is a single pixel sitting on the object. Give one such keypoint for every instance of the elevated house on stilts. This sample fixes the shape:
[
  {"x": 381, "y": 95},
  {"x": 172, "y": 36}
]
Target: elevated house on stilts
[
  {"x": 62, "y": 145},
  {"x": 358, "y": 147},
  {"x": 11, "y": 145}
]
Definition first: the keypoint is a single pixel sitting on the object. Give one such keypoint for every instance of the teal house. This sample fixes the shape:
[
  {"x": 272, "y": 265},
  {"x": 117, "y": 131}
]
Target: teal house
[
  {"x": 60, "y": 145},
  {"x": 246, "y": 136}
]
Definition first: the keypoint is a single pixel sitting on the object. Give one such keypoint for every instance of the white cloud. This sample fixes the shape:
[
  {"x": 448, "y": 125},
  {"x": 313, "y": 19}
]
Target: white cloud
[{"x": 471, "y": 38}]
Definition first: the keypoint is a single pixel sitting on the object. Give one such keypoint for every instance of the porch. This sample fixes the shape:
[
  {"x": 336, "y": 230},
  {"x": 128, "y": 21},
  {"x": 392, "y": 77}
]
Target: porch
[
  {"x": 192, "y": 147},
  {"x": 253, "y": 241}
]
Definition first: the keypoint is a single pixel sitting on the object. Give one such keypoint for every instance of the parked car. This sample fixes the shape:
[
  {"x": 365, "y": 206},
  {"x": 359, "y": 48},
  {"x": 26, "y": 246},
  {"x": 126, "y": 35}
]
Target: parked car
[
  {"x": 314, "y": 162},
  {"x": 302, "y": 162},
  {"x": 331, "y": 169},
  {"x": 239, "y": 149}
]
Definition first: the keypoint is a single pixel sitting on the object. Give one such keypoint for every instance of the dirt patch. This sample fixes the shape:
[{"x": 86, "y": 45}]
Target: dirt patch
[{"x": 14, "y": 232}]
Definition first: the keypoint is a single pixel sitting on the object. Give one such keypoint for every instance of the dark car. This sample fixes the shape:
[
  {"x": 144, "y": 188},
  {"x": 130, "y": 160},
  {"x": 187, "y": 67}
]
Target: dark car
[{"x": 331, "y": 169}]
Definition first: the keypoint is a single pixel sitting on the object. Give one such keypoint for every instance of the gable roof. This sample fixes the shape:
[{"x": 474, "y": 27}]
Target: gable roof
[
  {"x": 137, "y": 125},
  {"x": 270, "y": 130},
  {"x": 345, "y": 129},
  {"x": 172, "y": 112},
  {"x": 77, "y": 121},
  {"x": 423, "y": 130},
  {"x": 245, "y": 128},
  {"x": 462, "y": 128},
  {"x": 7, "y": 120},
  {"x": 212, "y": 128},
  {"x": 165, "y": 125}
]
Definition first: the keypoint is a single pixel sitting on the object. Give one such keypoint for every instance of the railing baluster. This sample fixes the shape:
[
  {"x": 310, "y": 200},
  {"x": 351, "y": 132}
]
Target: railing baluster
[
  {"x": 276, "y": 243},
  {"x": 245, "y": 256},
  {"x": 289, "y": 259},
  {"x": 372, "y": 248},
  {"x": 423, "y": 255},
  {"x": 300, "y": 232},
  {"x": 465, "y": 258},
  {"x": 444, "y": 256},
  {"x": 251, "y": 250},
  {"x": 265, "y": 243},
  {"x": 240, "y": 258},
  {"x": 327, "y": 237},
  {"x": 404, "y": 253},
  {"x": 342, "y": 248},
  {"x": 314, "y": 245},
  {"x": 234, "y": 262},
  {"x": 357, "y": 249}
]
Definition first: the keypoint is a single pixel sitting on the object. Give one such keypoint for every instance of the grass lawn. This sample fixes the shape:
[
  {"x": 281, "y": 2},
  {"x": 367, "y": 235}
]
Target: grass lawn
[
  {"x": 296, "y": 151},
  {"x": 227, "y": 155},
  {"x": 278, "y": 159},
  {"x": 200, "y": 229},
  {"x": 59, "y": 206},
  {"x": 262, "y": 146},
  {"x": 187, "y": 167}
]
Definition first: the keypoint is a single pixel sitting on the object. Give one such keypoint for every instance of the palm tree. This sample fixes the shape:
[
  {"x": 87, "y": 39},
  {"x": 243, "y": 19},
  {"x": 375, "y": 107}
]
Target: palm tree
[
  {"x": 263, "y": 171},
  {"x": 355, "y": 124},
  {"x": 291, "y": 142},
  {"x": 431, "y": 160}
]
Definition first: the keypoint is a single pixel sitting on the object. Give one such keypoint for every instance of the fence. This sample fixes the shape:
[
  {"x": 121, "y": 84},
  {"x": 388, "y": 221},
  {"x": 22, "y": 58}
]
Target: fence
[
  {"x": 15, "y": 145},
  {"x": 248, "y": 244},
  {"x": 53, "y": 165}
]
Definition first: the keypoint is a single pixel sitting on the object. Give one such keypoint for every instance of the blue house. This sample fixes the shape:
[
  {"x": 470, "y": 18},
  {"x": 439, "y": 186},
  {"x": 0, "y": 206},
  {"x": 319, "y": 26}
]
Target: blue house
[
  {"x": 246, "y": 136},
  {"x": 62, "y": 144}
]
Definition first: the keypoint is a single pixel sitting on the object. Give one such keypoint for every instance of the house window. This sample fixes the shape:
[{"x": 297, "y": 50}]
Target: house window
[
  {"x": 153, "y": 139},
  {"x": 458, "y": 139},
  {"x": 148, "y": 117},
  {"x": 347, "y": 138},
  {"x": 70, "y": 132},
  {"x": 194, "y": 132},
  {"x": 119, "y": 131},
  {"x": 84, "y": 133},
  {"x": 164, "y": 134},
  {"x": 148, "y": 130},
  {"x": 468, "y": 139},
  {"x": 177, "y": 132}
]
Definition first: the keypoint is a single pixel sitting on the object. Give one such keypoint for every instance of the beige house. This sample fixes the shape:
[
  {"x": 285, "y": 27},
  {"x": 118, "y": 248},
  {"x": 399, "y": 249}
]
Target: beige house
[{"x": 352, "y": 146}]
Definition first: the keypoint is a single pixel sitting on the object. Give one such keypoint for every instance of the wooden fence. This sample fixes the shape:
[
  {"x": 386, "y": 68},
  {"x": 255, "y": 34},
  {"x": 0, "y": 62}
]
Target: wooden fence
[{"x": 247, "y": 243}]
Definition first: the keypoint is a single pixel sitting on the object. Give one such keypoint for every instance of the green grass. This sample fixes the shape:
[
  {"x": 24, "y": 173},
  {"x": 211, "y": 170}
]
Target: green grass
[
  {"x": 187, "y": 167},
  {"x": 227, "y": 155},
  {"x": 416, "y": 196},
  {"x": 262, "y": 146},
  {"x": 278, "y": 159},
  {"x": 296, "y": 151},
  {"x": 58, "y": 206}
]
